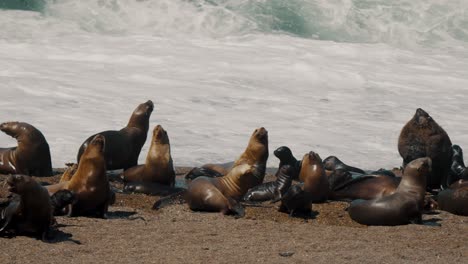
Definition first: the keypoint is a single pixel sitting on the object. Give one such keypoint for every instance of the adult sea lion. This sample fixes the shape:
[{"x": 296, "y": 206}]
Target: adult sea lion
[
  {"x": 423, "y": 137},
  {"x": 455, "y": 198},
  {"x": 210, "y": 170},
  {"x": 221, "y": 194},
  {"x": 272, "y": 190},
  {"x": 366, "y": 187},
  {"x": 313, "y": 175},
  {"x": 31, "y": 156},
  {"x": 28, "y": 210},
  {"x": 404, "y": 206},
  {"x": 123, "y": 146},
  {"x": 89, "y": 184},
  {"x": 332, "y": 163},
  {"x": 158, "y": 167}
]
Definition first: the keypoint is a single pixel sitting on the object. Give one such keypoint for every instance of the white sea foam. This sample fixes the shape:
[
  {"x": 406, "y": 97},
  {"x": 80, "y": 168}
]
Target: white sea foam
[{"x": 213, "y": 84}]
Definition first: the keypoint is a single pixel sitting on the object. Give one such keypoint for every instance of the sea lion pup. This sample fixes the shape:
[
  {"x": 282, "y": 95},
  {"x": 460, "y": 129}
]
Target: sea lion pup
[
  {"x": 284, "y": 154},
  {"x": 402, "y": 207},
  {"x": 455, "y": 198},
  {"x": 272, "y": 190},
  {"x": 31, "y": 156},
  {"x": 313, "y": 175},
  {"x": 123, "y": 147},
  {"x": 296, "y": 202},
  {"x": 89, "y": 184},
  {"x": 457, "y": 169},
  {"x": 210, "y": 170},
  {"x": 332, "y": 163},
  {"x": 423, "y": 137},
  {"x": 158, "y": 167},
  {"x": 223, "y": 193},
  {"x": 29, "y": 209},
  {"x": 62, "y": 201}
]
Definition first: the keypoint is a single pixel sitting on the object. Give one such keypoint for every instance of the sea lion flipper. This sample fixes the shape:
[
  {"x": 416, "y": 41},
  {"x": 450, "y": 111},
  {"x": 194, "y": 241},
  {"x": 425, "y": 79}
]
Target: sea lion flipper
[
  {"x": 175, "y": 198},
  {"x": 9, "y": 211},
  {"x": 236, "y": 208}
]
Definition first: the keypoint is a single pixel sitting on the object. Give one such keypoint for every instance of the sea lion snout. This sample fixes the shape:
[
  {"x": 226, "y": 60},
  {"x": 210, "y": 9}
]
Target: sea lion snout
[
  {"x": 99, "y": 140},
  {"x": 149, "y": 106}
]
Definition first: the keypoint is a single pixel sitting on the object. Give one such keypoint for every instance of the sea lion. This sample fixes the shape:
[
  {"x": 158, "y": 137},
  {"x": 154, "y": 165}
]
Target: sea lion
[
  {"x": 423, "y": 137},
  {"x": 158, "y": 167},
  {"x": 29, "y": 209},
  {"x": 221, "y": 194},
  {"x": 272, "y": 190},
  {"x": 296, "y": 201},
  {"x": 332, "y": 163},
  {"x": 455, "y": 198},
  {"x": 31, "y": 156},
  {"x": 366, "y": 187},
  {"x": 69, "y": 171},
  {"x": 404, "y": 206},
  {"x": 62, "y": 201},
  {"x": 123, "y": 147},
  {"x": 284, "y": 154},
  {"x": 210, "y": 170},
  {"x": 89, "y": 184},
  {"x": 313, "y": 175},
  {"x": 457, "y": 169},
  {"x": 150, "y": 188}
]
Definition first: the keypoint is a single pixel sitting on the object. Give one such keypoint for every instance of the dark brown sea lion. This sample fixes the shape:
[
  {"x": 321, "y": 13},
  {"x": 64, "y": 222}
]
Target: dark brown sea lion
[
  {"x": 455, "y": 198},
  {"x": 332, "y": 163},
  {"x": 150, "y": 188},
  {"x": 210, "y": 170},
  {"x": 457, "y": 169},
  {"x": 89, "y": 184},
  {"x": 29, "y": 209},
  {"x": 402, "y": 207},
  {"x": 423, "y": 137},
  {"x": 296, "y": 202},
  {"x": 272, "y": 190},
  {"x": 62, "y": 201},
  {"x": 313, "y": 175},
  {"x": 158, "y": 167},
  {"x": 366, "y": 187},
  {"x": 123, "y": 147},
  {"x": 284, "y": 154},
  {"x": 31, "y": 156},
  {"x": 221, "y": 194}
]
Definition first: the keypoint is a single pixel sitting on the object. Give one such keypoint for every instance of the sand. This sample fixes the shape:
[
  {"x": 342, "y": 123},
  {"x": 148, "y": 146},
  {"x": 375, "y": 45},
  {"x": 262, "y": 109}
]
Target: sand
[{"x": 135, "y": 233}]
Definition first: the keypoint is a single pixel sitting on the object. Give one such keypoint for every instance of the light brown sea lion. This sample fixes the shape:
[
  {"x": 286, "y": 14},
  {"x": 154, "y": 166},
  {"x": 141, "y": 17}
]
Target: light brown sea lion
[
  {"x": 455, "y": 198},
  {"x": 69, "y": 171},
  {"x": 89, "y": 184},
  {"x": 313, "y": 175},
  {"x": 29, "y": 209},
  {"x": 221, "y": 194},
  {"x": 423, "y": 137},
  {"x": 158, "y": 167},
  {"x": 123, "y": 147},
  {"x": 31, "y": 156},
  {"x": 402, "y": 207}
]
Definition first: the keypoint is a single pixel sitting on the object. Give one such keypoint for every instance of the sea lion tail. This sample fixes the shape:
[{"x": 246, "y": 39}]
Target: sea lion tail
[{"x": 175, "y": 198}]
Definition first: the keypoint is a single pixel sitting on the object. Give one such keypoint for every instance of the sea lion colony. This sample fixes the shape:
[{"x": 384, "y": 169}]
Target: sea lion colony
[{"x": 432, "y": 170}]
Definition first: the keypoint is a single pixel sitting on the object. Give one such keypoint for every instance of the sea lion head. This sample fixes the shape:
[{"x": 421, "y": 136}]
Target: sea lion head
[
  {"x": 260, "y": 135},
  {"x": 160, "y": 135},
  {"x": 283, "y": 153},
  {"x": 96, "y": 147},
  {"x": 416, "y": 172},
  {"x": 140, "y": 117},
  {"x": 18, "y": 183},
  {"x": 258, "y": 144},
  {"x": 311, "y": 158},
  {"x": 331, "y": 162},
  {"x": 457, "y": 152},
  {"x": 12, "y": 129},
  {"x": 422, "y": 119}
]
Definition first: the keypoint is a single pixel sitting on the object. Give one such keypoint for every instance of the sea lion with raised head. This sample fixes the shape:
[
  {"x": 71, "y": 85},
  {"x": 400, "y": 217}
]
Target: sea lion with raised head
[
  {"x": 284, "y": 154},
  {"x": 31, "y": 156},
  {"x": 455, "y": 198},
  {"x": 221, "y": 194},
  {"x": 28, "y": 210},
  {"x": 272, "y": 190},
  {"x": 124, "y": 146},
  {"x": 404, "y": 206},
  {"x": 423, "y": 137},
  {"x": 158, "y": 167},
  {"x": 313, "y": 175},
  {"x": 89, "y": 184}
]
